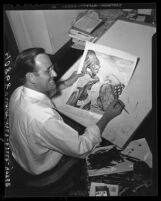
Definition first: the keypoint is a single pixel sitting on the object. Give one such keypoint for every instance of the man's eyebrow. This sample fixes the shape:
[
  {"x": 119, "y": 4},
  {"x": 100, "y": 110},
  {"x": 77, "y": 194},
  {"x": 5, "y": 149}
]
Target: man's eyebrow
[{"x": 50, "y": 66}]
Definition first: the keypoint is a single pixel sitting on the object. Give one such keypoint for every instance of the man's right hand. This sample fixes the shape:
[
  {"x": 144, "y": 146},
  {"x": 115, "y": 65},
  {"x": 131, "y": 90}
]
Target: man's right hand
[{"x": 114, "y": 108}]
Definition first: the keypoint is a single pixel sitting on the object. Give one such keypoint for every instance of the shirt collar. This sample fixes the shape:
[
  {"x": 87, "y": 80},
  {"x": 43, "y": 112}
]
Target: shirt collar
[{"x": 36, "y": 94}]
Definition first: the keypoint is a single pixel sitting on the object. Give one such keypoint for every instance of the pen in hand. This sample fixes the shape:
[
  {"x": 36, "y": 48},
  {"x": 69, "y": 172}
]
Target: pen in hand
[
  {"x": 123, "y": 107},
  {"x": 126, "y": 110}
]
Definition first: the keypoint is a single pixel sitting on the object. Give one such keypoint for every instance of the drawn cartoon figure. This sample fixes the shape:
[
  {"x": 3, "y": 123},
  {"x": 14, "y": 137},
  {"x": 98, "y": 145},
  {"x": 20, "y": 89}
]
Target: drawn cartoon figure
[
  {"x": 110, "y": 90},
  {"x": 79, "y": 97},
  {"x": 92, "y": 94}
]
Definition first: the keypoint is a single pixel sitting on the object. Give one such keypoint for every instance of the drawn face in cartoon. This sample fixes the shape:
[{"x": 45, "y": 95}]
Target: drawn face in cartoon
[
  {"x": 94, "y": 64},
  {"x": 91, "y": 64}
]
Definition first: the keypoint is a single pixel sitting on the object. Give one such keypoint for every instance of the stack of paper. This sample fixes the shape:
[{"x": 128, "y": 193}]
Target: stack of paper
[
  {"x": 88, "y": 22},
  {"x": 114, "y": 168},
  {"x": 106, "y": 160},
  {"x": 80, "y": 36},
  {"x": 81, "y": 30}
]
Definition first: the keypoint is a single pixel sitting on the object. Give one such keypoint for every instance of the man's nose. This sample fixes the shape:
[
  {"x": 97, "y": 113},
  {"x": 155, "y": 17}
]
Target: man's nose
[{"x": 53, "y": 73}]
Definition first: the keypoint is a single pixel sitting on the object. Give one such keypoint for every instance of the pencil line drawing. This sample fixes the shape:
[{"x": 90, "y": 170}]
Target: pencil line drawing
[{"x": 105, "y": 75}]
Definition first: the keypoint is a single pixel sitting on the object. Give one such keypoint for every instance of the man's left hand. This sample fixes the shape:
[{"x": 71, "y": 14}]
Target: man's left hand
[
  {"x": 73, "y": 78},
  {"x": 68, "y": 82}
]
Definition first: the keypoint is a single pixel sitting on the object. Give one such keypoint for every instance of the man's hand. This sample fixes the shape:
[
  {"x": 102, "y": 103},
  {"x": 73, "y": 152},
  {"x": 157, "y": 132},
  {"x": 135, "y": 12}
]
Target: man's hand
[
  {"x": 114, "y": 109},
  {"x": 73, "y": 78},
  {"x": 68, "y": 82}
]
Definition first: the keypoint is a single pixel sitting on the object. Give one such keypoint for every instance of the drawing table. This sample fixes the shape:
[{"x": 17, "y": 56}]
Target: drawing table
[{"x": 136, "y": 39}]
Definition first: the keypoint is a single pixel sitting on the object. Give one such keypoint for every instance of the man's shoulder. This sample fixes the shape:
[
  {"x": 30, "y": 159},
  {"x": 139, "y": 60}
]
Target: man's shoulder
[
  {"x": 15, "y": 94},
  {"x": 17, "y": 90},
  {"x": 39, "y": 111}
]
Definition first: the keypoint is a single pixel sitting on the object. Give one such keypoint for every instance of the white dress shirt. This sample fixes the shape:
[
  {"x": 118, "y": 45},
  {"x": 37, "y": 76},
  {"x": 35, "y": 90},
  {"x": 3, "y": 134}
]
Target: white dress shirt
[{"x": 38, "y": 135}]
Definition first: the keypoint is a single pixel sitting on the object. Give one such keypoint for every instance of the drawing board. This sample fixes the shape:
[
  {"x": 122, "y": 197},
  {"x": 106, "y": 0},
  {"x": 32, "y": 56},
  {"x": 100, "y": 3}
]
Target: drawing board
[{"x": 136, "y": 39}]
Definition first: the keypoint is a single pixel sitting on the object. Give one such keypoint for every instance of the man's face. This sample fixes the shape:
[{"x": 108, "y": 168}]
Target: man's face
[
  {"x": 44, "y": 74},
  {"x": 95, "y": 64}
]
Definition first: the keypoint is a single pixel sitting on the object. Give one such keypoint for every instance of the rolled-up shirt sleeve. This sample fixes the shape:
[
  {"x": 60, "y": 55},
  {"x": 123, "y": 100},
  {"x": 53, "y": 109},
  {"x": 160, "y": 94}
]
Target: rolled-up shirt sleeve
[{"x": 58, "y": 136}]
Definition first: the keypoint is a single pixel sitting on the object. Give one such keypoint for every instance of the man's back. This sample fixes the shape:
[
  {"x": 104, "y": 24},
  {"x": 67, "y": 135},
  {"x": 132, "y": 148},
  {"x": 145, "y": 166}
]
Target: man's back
[{"x": 26, "y": 117}]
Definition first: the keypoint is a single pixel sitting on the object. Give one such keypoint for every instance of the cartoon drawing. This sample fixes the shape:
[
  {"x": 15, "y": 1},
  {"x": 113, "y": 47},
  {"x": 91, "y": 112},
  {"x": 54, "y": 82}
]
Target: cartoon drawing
[
  {"x": 95, "y": 91},
  {"x": 107, "y": 73}
]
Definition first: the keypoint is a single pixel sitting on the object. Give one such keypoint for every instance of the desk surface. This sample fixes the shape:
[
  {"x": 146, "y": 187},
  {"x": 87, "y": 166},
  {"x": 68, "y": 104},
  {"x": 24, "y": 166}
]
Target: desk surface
[
  {"x": 135, "y": 39},
  {"x": 107, "y": 166}
]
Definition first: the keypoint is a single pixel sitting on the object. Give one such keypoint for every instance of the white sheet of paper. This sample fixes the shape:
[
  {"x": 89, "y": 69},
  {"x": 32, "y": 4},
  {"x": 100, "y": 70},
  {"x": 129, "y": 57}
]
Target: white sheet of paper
[
  {"x": 115, "y": 66},
  {"x": 136, "y": 39},
  {"x": 139, "y": 149}
]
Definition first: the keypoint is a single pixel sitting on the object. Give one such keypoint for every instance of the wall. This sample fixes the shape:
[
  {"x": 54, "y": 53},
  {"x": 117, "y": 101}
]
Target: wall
[
  {"x": 58, "y": 23},
  {"x": 43, "y": 28}
]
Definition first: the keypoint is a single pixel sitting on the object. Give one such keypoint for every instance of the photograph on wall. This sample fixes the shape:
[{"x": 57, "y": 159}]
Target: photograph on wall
[{"x": 106, "y": 73}]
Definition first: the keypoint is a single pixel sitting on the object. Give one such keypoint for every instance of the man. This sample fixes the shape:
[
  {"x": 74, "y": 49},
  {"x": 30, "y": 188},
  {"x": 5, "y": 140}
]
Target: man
[{"x": 39, "y": 138}]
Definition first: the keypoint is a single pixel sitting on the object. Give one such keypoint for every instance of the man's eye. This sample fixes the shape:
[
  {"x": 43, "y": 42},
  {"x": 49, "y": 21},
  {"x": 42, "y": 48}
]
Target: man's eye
[{"x": 49, "y": 70}]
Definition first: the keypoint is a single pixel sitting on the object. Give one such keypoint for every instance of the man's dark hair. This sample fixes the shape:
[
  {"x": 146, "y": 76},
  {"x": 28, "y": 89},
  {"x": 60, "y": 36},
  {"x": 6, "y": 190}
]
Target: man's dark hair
[{"x": 25, "y": 62}]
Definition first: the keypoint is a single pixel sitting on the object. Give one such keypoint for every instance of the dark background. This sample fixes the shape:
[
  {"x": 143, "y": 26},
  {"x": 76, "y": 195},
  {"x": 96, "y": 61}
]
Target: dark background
[{"x": 65, "y": 58}]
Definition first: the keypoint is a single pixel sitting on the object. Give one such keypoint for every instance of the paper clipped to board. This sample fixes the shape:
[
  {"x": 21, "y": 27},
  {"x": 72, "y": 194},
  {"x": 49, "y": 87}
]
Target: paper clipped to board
[{"x": 107, "y": 73}]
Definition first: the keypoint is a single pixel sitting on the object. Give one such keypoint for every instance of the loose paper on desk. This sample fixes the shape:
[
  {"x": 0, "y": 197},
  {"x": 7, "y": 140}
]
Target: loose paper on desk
[
  {"x": 103, "y": 161},
  {"x": 115, "y": 167},
  {"x": 107, "y": 72},
  {"x": 139, "y": 149}
]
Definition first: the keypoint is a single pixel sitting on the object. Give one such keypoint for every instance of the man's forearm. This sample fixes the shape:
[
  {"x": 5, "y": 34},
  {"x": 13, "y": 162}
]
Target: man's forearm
[
  {"x": 64, "y": 84},
  {"x": 114, "y": 109},
  {"x": 61, "y": 85},
  {"x": 103, "y": 122},
  {"x": 69, "y": 81}
]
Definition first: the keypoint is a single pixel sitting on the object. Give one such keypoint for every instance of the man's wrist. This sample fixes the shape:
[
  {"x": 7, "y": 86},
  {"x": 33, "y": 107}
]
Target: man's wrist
[
  {"x": 103, "y": 122},
  {"x": 107, "y": 116},
  {"x": 65, "y": 83}
]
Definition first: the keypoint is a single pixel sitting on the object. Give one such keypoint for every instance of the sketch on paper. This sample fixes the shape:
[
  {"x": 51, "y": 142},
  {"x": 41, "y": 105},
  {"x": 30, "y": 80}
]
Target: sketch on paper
[
  {"x": 106, "y": 76},
  {"x": 107, "y": 72}
]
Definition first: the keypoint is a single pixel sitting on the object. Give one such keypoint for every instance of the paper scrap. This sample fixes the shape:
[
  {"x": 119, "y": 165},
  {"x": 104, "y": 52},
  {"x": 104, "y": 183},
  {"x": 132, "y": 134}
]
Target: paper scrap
[
  {"x": 140, "y": 150},
  {"x": 113, "y": 189}
]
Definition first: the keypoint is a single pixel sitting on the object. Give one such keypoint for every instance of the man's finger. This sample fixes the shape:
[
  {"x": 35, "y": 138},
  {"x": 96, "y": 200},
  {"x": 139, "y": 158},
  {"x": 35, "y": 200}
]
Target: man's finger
[
  {"x": 115, "y": 101},
  {"x": 80, "y": 74},
  {"x": 121, "y": 103}
]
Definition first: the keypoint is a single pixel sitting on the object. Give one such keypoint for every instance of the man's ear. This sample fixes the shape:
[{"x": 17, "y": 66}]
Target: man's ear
[{"x": 31, "y": 77}]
